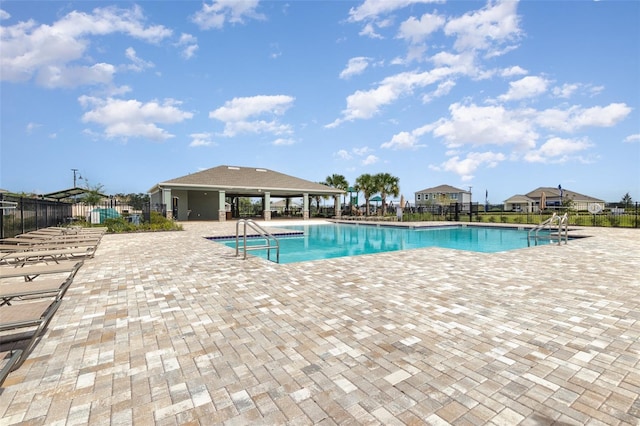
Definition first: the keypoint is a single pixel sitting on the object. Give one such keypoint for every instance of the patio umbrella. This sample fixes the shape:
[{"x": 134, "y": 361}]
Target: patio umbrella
[
  {"x": 402, "y": 201},
  {"x": 543, "y": 201}
]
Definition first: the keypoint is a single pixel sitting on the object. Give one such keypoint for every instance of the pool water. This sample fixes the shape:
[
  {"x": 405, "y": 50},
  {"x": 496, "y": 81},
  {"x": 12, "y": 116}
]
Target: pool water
[{"x": 339, "y": 240}]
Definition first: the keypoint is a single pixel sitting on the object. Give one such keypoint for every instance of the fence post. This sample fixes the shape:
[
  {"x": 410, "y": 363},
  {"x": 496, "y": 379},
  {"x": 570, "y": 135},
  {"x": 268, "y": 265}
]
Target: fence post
[{"x": 636, "y": 224}]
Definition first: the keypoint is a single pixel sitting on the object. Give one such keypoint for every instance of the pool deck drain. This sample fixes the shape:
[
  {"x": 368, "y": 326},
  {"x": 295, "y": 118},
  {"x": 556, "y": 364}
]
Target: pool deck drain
[{"x": 167, "y": 328}]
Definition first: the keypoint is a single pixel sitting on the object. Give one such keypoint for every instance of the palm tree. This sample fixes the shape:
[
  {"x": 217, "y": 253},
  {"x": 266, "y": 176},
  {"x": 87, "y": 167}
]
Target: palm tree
[
  {"x": 93, "y": 195},
  {"x": 339, "y": 182},
  {"x": 367, "y": 184},
  {"x": 386, "y": 185},
  {"x": 626, "y": 200}
]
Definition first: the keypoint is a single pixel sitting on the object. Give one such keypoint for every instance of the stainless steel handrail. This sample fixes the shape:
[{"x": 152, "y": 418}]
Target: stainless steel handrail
[
  {"x": 268, "y": 237},
  {"x": 563, "y": 221}
]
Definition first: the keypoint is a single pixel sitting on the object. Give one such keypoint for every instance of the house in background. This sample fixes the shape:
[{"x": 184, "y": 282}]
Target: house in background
[
  {"x": 543, "y": 198},
  {"x": 442, "y": 195}
]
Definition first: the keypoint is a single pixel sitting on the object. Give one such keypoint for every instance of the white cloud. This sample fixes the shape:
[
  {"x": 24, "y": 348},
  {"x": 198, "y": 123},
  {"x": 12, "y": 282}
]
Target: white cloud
[
  {"x": 361, "y": 151},
  {"x": 4, "y": 14},
  {"x": 369, "y": 160},
  {"x": 52, "y": 76},
  {"x": 283, "y": 142},
  {"x": 402, "y": 140},
  {"x": 467, "y": 166},
  {"x": 565, "y": 91},
  {"x": 443, "y": 89},
  {"x": 189, "y": 51},
  {"x": 31, "y": 127},
  {"x": 407, "y": 140},
  {"x": 219, "y": 12},
  {"x": 137, "y": 64},
  {"x": 235, "y": 114},
  {"x": 369, "y": 31},
  {"x": 48, "y": 52},
  {"x": 490, "y": 125},
  {"x": 366, "y": 104},
  {"x": 415, "y": 52},
  {"x": 557, "y": 150},
  {"x": 371, "y": 9},
  {"x": 343, "y": 154},
  {"x": 132, "y": 118},
  {"x": 355, "y": 66},
  {"x": 276, "y": 51},
  {"x": 575, "y": 117},
  {"x": 417, "y": 30},
  {"x": 487, "y": 29},
  {"x": 201, "y": 139},
  {"x": 513, "y": 71},
  {"x": 632, "y": 138},
  {"x": 527, "y": 87},
  {"x": 189, "y": 45}
]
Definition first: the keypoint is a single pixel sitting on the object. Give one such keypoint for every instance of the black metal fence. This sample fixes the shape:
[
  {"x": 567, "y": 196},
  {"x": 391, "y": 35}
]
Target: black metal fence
[
  {"x": 23, "y": 214},
  {"x": 611, "y": 216},
  {"x": 20, "y": 214}
]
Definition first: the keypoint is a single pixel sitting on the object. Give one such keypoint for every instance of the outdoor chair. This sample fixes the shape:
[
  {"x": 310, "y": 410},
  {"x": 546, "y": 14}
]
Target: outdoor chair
[
  {"x": 21, "y": 258},
  {"x": 44, "y": 287},
  {"x": 29, "y": 320},
  {"x": 8, "y": 367},
  {"x": 30, "y": 272}
]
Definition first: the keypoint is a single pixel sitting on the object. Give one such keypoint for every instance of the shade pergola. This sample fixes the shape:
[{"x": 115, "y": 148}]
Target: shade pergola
[{"x": 68, "y": 193}]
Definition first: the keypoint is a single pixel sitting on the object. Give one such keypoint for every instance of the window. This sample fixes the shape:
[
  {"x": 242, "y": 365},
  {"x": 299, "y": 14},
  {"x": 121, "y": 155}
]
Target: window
[
  {"x": 454, "y": 196},
  {"x": 418, "y": 197}
]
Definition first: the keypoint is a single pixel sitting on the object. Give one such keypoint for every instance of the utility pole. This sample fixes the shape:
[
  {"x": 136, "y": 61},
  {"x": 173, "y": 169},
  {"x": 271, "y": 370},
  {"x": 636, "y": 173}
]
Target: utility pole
[{"x": 74, "y": 176}]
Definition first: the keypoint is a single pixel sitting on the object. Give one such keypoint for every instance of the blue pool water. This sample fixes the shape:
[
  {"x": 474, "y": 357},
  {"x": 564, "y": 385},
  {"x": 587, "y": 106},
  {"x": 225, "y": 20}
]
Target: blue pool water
[{"x": 339, "y": 240}]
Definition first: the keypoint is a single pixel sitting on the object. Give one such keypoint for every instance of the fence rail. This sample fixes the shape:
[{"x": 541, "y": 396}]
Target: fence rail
[
  {"x": 22, "y": 214},
  {"x": 628, "y": 217}
]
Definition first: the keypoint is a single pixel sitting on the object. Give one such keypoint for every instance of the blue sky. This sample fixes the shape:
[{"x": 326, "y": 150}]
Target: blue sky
[{"x": 501, "y": 97}]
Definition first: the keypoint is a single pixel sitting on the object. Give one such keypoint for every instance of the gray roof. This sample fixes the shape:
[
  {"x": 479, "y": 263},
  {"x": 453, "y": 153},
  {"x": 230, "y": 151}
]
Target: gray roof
[
  {"x": 551, "y": 192},
  {"x": 445, "y": 189},
  {"x": 519, "y": 199},
  {"x": 248, "y": 182}
]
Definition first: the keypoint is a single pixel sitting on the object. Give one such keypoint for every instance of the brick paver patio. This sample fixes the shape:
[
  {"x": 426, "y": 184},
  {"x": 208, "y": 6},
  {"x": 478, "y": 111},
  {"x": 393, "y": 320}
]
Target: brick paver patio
[{"x": 173, "y": 329}]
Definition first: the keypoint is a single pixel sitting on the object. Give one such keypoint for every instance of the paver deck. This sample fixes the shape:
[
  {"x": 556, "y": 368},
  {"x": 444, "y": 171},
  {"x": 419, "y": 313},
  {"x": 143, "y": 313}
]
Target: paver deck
[{"x": 173, "y": 329}]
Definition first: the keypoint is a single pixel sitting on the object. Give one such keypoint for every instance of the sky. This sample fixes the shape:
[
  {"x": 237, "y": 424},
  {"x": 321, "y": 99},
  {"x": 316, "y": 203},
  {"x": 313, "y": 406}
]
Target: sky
[{"x": 496, "y": 97}]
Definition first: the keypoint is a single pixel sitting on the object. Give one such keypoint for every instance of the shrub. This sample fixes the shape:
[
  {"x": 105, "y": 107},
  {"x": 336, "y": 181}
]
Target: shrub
[
  {"x": 119, "y": 224},
  {"x": 614, "y": 220},
  {"x": 157, "y": 223}
]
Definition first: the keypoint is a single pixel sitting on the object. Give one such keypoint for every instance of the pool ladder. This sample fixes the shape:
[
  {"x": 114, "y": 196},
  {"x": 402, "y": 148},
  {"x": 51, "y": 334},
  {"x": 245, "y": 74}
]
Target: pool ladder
[
  {"x": 562, "y": 223},
  {"x": 270, "y": 241}
]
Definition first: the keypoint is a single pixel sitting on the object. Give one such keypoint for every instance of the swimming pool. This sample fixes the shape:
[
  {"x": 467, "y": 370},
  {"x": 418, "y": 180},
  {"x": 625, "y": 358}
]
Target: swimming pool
[{"x": 339, "y": 240}]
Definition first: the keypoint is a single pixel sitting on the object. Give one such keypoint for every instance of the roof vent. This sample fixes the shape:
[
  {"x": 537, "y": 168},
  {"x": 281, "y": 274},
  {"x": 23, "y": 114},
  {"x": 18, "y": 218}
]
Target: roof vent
[
  {"x": 261, "y": 170},
  {"x": 233, "y": 168}
]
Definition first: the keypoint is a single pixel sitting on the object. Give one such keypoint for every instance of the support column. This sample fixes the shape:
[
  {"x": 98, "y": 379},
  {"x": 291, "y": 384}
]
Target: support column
[
  {"x": 167, "y": 201},
  {"x": 222, "y": 211},
  {"x": 305, "y": 206},
  {"x": 267, "y": 206},
  {"x": 336, "y": 205}
]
